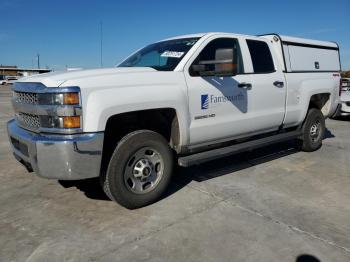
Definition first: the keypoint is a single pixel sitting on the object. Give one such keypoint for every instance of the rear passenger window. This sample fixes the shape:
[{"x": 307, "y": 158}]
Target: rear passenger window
[{"x": 261, "y": 56}]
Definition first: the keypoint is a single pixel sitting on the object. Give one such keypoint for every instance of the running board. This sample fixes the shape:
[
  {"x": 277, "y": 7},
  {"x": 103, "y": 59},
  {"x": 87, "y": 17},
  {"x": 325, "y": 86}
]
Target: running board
[{"x": 206, "y": 156}]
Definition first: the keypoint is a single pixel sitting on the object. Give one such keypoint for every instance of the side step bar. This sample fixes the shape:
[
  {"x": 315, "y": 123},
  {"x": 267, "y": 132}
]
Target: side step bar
[{"x": 206, "y": 156}]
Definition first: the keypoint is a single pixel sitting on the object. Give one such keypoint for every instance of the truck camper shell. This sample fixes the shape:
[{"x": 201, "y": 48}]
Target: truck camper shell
[{"x": 299, "y": 55}]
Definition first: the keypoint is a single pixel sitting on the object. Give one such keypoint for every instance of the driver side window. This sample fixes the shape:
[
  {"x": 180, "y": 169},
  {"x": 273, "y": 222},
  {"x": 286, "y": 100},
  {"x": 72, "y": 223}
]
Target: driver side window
[{"x": 209, "y": 53}]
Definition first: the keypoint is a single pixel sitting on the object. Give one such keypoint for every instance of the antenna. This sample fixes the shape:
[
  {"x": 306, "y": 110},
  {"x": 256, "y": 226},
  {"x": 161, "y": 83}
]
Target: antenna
[{"x": 101, "y": 38}]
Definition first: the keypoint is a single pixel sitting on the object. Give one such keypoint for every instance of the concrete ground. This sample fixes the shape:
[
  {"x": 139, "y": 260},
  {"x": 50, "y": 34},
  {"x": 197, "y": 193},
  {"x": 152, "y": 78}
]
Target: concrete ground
[{"x": 273, "y": 204}]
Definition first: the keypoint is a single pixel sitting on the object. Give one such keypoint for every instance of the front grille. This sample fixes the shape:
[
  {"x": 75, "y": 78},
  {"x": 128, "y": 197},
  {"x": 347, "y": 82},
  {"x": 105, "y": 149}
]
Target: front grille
[
  {"x": 26, "y": 98},
  {"x": 28, "y": 121}
]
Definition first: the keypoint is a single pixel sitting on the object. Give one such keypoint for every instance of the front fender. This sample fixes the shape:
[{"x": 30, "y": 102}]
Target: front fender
[{"x": 100, "y": 105}]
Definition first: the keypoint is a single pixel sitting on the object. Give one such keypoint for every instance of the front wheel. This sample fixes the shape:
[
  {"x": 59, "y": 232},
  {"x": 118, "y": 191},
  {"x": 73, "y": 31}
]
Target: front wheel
[
  {"x": 313, "y": 131},
  {"x": 140, "y": 169}
]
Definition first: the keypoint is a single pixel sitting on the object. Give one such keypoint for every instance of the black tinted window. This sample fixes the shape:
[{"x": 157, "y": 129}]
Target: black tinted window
[
  {"x": 209, "y": 52},
  {"x": 261, "y": 56}
]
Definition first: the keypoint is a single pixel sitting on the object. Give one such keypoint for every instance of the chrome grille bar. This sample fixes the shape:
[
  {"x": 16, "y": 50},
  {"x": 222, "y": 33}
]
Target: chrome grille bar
[
  {"x": 27, "y": 120},
  {"x": 25, "y": 98}
]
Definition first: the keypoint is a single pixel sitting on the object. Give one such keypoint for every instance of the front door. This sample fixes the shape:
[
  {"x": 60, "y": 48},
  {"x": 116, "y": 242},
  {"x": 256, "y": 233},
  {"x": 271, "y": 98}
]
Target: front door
[{"x": 224, "y": 108}]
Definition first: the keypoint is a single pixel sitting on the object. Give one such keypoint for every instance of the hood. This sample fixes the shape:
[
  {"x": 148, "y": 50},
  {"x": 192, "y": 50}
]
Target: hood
[{"x": 56, "y": 79}]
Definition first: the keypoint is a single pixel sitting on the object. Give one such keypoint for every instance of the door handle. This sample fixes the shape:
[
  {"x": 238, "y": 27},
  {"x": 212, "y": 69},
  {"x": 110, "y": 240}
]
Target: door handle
[
  {"x": 279, "y": 84},
  {"x": 245, "y": 85}
]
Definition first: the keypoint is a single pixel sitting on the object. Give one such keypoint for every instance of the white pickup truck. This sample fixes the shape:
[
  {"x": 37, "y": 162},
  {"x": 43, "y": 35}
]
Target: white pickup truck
[{"x": 184, "y": 100}]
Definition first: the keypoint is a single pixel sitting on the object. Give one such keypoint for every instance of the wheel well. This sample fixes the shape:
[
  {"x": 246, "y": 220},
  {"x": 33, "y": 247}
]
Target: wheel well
[
  {"x": 163, "y": 121},
  {"x": 321, "y": 102}
]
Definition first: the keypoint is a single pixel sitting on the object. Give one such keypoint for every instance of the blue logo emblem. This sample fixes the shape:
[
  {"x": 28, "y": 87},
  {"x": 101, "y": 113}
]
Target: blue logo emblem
[{"x": 204, "y": 102}]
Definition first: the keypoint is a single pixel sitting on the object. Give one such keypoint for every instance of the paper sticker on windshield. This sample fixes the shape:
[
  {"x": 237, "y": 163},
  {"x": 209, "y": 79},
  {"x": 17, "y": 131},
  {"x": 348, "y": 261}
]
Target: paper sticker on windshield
[
  {"x": 172, "y": 54},
  {"x": 191, "y": 43}
]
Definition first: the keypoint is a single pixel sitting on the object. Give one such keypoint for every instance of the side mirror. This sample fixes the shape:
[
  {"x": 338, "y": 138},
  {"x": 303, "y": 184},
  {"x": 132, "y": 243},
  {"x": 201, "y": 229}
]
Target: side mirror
[{"x": 223, "y": 65}]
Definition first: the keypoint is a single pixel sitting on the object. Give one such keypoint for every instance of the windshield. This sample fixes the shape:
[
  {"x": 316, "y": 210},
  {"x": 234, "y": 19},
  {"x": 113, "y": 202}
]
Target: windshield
[{"x": 162, "y": 56}]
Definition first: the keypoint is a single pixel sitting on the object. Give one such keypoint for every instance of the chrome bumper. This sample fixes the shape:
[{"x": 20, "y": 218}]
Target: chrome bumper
[
  {"x": 342, "y": 110},
  {"x": 65, "y": 157},
  {"x": 345, "y": 108}
]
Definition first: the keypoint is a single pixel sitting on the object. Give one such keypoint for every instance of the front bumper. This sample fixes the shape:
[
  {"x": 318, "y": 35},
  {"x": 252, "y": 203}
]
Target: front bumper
[{"x": 64, "y": 157}]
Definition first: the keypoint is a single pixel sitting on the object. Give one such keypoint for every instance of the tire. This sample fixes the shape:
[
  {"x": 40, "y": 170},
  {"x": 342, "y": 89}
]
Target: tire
[
  {"x": 140, "y": 169},
  {"x": 313, "y": 131}
]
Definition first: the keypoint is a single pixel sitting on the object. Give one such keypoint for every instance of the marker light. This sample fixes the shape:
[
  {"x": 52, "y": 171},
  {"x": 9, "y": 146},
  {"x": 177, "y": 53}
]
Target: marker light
[
  {"x": 71, "y": 122},
  {"x": 71, "y": 98}
]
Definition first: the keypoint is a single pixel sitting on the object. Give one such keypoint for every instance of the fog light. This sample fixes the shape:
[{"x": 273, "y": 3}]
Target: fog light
[
  {"x": 71, "y": 122},
  {"x": 71, "y": 98}
]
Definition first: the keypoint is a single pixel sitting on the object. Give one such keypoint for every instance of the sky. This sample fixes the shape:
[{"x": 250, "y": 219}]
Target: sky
[{"x": 66, "y": 33}]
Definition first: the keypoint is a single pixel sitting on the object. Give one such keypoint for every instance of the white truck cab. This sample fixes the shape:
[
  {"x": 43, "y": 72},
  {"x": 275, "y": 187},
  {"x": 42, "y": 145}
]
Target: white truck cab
[{"x": 184, "y": 100}]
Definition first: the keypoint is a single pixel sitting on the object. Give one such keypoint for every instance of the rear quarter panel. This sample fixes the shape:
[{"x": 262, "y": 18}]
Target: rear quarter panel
[{"x": 302, "y": 86}]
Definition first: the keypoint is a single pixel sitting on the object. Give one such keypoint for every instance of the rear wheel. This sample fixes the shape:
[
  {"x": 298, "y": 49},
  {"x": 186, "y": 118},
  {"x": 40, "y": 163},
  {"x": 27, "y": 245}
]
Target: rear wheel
[
  {"x": 313, "y": 131},
  {"x": 140, "y": 169}
]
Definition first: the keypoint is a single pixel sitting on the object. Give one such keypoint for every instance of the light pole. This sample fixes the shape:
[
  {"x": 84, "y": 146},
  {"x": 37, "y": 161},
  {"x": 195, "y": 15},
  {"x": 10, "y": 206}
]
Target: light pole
[
  {"x": 101, "y": 35},
  {"x": 38, "y": 55}
]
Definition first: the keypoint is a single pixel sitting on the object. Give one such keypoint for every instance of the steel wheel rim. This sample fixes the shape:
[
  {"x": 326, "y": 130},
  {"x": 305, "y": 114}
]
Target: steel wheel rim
[
  {"x": 144, "y": 170},
  {"x": 315, "y": 131}
]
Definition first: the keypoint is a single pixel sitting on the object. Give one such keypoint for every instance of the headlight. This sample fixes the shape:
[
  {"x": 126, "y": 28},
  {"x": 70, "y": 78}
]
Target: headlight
[
  {"x": 66, "y": 110},
  {"x": 71, "y": 98},
  {"x": 60, "y": 122}
]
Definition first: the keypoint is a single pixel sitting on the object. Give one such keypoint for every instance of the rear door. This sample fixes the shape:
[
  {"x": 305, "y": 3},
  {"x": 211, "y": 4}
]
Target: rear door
[{"x": 269, "y": 89}]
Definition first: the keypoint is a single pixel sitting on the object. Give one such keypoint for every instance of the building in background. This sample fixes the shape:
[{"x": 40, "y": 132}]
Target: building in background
[{"x": 19, "y": 72}]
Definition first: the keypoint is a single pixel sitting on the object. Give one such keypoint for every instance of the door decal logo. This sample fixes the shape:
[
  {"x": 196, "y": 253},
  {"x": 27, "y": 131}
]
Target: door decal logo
[
  {"x": 219, "y": 100},
  {"x": 204, "y": 102}
]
